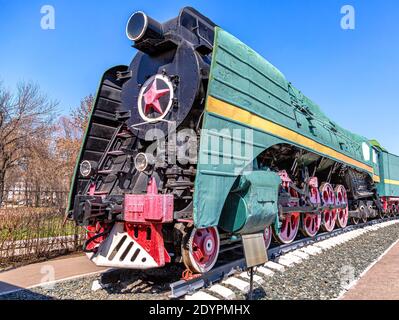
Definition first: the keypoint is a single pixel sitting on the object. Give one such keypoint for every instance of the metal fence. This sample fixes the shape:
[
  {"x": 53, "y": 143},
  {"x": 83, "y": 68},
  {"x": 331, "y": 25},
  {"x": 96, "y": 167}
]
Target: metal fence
[{"x": 33, "y": 227}]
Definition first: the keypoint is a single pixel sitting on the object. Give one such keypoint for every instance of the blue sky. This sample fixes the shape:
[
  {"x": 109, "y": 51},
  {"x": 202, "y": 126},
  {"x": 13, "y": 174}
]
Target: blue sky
[{"x": 352, "y": 74}]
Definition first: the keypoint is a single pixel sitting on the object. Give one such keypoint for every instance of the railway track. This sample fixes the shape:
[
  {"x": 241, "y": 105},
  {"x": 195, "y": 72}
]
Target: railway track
[
  {"x": 231, "y": 264},
  {"x": 227, "y": 280},
  {"x": 233, "y": 268}
]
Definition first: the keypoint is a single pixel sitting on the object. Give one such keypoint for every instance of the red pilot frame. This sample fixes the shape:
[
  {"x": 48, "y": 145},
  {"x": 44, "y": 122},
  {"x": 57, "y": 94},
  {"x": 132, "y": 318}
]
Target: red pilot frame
[
  {"x": 144, "y": 216},
  {"x": 137, "y": 241}
]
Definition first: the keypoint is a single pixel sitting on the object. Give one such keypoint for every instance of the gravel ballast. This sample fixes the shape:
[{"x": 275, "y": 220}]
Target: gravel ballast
[
  {"x": 323, "y": 276},
  {"x": 126, "y": 285}
]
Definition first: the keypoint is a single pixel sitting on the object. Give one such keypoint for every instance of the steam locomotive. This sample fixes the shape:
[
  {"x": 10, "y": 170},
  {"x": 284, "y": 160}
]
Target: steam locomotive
[{"x": 201, "y": 140}]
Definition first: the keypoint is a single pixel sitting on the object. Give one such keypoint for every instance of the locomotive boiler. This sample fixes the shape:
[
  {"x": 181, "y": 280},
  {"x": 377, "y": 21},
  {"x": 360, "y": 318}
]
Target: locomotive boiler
[{"x": 200, "y": 140}]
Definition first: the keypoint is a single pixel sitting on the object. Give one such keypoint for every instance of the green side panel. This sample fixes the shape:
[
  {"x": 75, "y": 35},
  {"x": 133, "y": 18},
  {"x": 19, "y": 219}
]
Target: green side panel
[
  {"x": 253, "y": 203},
  {"x": 234, "y": 214},
  {"x": 384, "y": 171},
  {"x": 389, "y": 169},
  {"x": 218, "y": 168},
  {"x": 241, "y": 77}
]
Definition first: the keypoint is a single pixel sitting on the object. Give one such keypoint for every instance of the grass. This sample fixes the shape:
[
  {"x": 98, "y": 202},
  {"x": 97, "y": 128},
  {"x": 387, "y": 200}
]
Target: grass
[
  {"x": 20, "y": 228},
  {"x": 32, "y": 223}
]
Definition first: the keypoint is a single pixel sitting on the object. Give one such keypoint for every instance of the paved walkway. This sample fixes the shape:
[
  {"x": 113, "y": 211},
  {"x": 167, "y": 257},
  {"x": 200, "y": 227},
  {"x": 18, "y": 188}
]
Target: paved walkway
[
  {"x": 381, "y": 282},
  {"x": 48, "y": 271}
]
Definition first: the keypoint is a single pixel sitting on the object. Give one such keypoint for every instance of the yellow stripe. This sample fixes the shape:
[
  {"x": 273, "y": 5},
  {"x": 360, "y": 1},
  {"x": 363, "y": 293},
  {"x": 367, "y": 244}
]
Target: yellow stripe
[
  {"x": 376, "y": 178},
  {"x": 229, "y": 111},
  {"x": 395, "y": 182}
]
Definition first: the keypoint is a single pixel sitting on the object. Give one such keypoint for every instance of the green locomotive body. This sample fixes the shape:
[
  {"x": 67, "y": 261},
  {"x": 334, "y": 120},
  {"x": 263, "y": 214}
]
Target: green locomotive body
[{"x": 388, "y": 187}]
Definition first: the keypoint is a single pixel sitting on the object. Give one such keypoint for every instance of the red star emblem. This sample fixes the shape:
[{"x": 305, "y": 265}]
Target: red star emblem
[{"x": 151, "y": 98}]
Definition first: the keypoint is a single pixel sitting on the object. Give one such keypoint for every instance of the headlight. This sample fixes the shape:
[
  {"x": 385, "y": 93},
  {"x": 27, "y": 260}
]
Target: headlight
[
  {"x": 141, "y": 27},
  {"x": 87, "y": 168},
  {"x": 143, "y": 161}
]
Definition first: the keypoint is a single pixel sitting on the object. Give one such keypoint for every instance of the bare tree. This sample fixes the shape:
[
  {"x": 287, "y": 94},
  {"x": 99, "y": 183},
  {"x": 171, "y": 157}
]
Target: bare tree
[
  {"x": 25, "y": 116},
  {"x": 81, "y": 115},
  {"x": 70, "y": 132}
]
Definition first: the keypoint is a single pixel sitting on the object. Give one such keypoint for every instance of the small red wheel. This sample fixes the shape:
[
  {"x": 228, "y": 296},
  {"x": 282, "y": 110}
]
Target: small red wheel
[
  {"x": 201, "y": 250},
  {"x": 288, "y": 227},
  {"x": 310, "y": 224},
  {"x": 311, "y": 221},
  {"x": 341, "y": 198},
  {"x": 93, "y": 231},
  {"x": 267, "y": 236},
  {"x": 328, "y": 199}
]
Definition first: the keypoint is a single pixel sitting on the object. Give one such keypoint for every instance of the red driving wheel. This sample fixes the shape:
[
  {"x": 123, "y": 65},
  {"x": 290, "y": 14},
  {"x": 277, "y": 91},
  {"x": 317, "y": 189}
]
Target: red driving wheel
[{"x": 201, "y": 250}]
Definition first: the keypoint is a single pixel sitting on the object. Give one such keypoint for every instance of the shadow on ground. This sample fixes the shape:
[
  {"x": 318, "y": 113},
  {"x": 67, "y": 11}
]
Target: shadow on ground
[
  {"x": 134, "y": 281},
  {"x": 11, "y": 292}
]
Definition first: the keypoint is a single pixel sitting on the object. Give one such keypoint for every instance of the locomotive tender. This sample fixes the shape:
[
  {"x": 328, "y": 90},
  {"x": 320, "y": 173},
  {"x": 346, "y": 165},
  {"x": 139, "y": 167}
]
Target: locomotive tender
[{"x": 201, "y": 140}]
